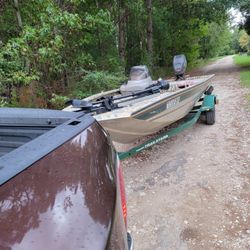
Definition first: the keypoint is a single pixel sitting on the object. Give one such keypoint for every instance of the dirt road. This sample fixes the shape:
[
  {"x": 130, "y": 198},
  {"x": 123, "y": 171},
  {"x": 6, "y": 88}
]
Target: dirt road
[{"x": 193, "y": 191}]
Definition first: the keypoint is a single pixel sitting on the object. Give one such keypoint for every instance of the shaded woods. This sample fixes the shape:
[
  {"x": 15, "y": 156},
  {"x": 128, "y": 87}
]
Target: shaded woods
[{"x": 52, "y": 50}]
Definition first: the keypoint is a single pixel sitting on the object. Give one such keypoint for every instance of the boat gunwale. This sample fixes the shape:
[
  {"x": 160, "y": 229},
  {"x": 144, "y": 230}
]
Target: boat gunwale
[
  {"x": 171, "y": 96},
  {"x": 128, "y": 110},
  {"x": 113, "y": 91},
  {"x": 147, "y": 107}
]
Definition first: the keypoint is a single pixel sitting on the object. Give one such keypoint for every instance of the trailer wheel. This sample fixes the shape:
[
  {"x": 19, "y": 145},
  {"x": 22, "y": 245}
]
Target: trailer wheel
[
  {"x": 210, "y": 117},
  {"x": 209, "y": 90}
]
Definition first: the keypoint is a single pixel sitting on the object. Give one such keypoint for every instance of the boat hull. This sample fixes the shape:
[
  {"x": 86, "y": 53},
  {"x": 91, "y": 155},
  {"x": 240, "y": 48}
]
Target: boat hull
[{"x": 154, "y": 117}]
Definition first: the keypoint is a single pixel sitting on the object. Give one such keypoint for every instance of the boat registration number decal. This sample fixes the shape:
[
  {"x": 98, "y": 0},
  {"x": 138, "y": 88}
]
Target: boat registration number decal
[
  {"x": 172, "y": 103},
  {"x": 159, "y": 109}
]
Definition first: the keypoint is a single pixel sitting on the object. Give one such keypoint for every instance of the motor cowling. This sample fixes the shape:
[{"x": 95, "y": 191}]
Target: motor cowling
[{"x": 179, "y": 66}]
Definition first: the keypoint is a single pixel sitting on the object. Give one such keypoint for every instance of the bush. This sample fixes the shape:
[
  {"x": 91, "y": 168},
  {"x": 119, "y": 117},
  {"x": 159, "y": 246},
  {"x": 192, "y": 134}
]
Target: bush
[
  {"x": 58, "y": 101},
  {"x": 3, "y": 102},
  {"x": 97, "y": 81}
]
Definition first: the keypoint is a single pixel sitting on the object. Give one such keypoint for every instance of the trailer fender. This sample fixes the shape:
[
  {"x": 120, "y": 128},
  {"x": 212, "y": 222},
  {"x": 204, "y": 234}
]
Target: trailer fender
[{"x": 209, "y": 102}]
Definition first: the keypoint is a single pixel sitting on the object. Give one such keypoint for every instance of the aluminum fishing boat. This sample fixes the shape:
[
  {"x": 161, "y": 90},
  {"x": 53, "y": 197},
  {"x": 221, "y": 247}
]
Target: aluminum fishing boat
[{"x": 141, "y": 106}]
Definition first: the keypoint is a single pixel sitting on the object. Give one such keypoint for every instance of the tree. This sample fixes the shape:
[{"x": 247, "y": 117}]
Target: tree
[
  {"x": 80, "y": 47},
  {"x": 18, "y": 14},
  {"x": 244, "y": 41},
  {"x": 216, "y": 40},
  {"x": 122, "y": 18},
  {"x": 149, "y": 31},
  {"x": 235, "y": 45},
  {"x": 244, "y": 6}
]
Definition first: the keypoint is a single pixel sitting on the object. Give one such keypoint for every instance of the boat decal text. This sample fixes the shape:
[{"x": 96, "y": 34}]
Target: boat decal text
[
  {"x": 173, "y": 102},
  {"x": 151, "y": 143},
  {"x": 159, "y": 109}
]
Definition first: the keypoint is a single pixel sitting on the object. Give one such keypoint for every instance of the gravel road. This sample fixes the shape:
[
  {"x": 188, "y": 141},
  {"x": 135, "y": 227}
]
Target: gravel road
[{"x": 193, "y": 191}]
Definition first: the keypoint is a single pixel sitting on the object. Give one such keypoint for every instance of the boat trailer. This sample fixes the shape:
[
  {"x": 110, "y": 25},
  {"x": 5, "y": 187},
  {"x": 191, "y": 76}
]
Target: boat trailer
[{"x": 206, "y": 107}]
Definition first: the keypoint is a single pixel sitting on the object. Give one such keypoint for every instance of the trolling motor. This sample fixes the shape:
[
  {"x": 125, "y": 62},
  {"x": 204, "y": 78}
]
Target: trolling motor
[{"x": 180, "y": 65}]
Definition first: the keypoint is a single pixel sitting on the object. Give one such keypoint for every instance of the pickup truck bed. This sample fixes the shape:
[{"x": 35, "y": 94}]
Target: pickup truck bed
[
  {"x": 18, "y": 128},
  {"x": 34, "y": 133}
]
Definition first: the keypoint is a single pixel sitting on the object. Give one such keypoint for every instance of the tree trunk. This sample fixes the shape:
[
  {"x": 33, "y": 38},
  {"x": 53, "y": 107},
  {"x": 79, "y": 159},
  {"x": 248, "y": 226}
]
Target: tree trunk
[
  {"x": 18, "y": 15},
  {"x": 100, "y": 47},
  {"x": 122, "y": 31},
  {"x": 149, "y": 31},
  {"x": 2, "y": 4}
]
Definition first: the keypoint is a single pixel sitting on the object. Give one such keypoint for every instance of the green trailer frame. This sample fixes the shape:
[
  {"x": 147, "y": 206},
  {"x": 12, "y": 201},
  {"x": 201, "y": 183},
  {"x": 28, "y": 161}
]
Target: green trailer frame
[{"x": 207, "y": 107}]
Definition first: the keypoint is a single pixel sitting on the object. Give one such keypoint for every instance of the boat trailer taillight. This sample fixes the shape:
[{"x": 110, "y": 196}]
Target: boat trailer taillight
[{"x": 122, "y": 193}]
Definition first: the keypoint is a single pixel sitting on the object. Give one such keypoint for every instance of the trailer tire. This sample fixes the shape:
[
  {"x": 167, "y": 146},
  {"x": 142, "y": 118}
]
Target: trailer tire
[
  {"x": 209, "y": 90},
  {"x": 210, "y": 117}
]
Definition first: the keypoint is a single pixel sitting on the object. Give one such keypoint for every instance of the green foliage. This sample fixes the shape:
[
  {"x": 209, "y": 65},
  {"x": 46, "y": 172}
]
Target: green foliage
[
  {"x": 136, "y": 34},
  {"x": 58, "y": 101},
  {"x": 217, "y": 40},
  {"x": 12, "y": 70},
  {"x": 244, "y": 6},
  {"x": 190, "y": 27},
  {"x": 243, "y": 61},
  {"x": 97, "y": 81},
  {"x": 3, "y": 102},
  {"x": 72, "y": 46},
  {"x": 182, "y": 31},
  {"x": 235, "y": 45},
  {"x": 244, "y": 41},
  {"x": 245, "y": 78}
]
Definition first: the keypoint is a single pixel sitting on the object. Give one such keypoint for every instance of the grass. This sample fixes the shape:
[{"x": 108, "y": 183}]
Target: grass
[
  {"x": 244, "y": 62},
  {"x": 245, "y": 78}
]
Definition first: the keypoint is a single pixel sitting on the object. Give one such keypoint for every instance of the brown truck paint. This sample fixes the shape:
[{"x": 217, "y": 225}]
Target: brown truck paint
[{"x": 66, "y": 200}]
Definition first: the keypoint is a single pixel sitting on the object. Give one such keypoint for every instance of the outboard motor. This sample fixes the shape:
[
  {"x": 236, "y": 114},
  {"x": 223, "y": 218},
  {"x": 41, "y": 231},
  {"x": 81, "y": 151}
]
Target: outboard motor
[
  {"x": 180, "y": 65},
  {"x": 139, "y": 80}
]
